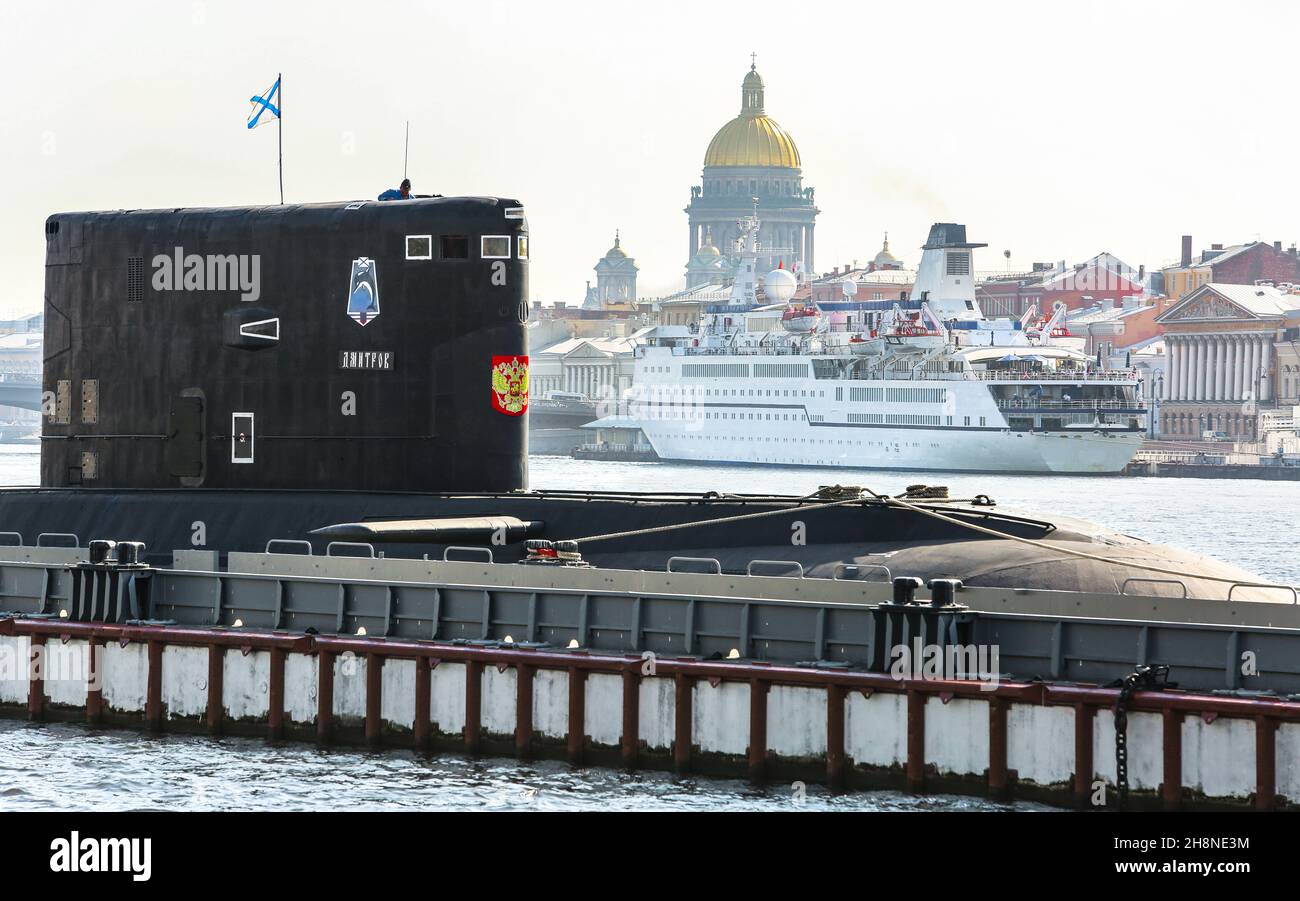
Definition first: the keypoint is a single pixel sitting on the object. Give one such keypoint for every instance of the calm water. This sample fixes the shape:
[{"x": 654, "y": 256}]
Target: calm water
[{"x": 1247, "y": 523}]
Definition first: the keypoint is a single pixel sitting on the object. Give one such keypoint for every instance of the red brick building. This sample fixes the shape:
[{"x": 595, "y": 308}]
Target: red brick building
[
  {"x": 1240, "y": 264},
  {"x": 1103, "y": 280}
]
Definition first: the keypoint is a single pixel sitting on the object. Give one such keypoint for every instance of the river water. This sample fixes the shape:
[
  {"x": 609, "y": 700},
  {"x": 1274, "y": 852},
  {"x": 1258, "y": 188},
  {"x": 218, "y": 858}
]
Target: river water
[{"x": 1247, "y": 523}]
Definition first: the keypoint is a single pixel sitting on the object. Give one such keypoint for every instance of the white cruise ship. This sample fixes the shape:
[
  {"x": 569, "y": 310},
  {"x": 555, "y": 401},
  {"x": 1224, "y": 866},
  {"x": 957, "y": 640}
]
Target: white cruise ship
[{"x": 925, "y": 384}]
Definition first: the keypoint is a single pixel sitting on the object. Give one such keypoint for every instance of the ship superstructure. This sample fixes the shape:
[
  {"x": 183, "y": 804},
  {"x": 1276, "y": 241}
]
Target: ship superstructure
[{"x": 927, "y": 383}]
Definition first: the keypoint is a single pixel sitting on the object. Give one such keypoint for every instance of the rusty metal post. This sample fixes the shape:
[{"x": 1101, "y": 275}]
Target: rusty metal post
[
  {"x": 524, "y": 711},
  {"x": 835, "y": 697},
  {"x": 999, "y": 790},
  {"x": 325, "y": 697},
  {"x": 577, "y": 714},
  {"x": 36, "y": 678},
  {"x": 275, "y": 696},
  {"x": 94, "y": 682},
  {"x": 915, "y": 741},
  {"x": 631, "y": 737},
  {"x": 374, "y": 699},
  {"x": 1265, "y": 763},
  {"x": 1083, "y": 768},
  {"x": 153, "y": 714},
  {"x": 1171, "y": 786},
  {"x": 473, "y": 705},
  {"x": 216, "y": 688},
  {"x": 757, "y": 730},
  {"x": 682, "y": 690},
  {"x": 423, "y": 694}
]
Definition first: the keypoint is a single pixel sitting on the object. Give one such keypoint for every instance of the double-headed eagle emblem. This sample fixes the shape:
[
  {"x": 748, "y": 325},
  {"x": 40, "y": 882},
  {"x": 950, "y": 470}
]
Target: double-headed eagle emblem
[{"x": 510, "y": 385}]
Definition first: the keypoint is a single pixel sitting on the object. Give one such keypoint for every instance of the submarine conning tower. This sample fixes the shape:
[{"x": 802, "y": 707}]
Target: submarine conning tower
[{"x": 360, "y": 346}]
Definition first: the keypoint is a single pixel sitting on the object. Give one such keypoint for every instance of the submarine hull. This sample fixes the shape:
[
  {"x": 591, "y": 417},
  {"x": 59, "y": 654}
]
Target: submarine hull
[{"x": 865, "y": 540}]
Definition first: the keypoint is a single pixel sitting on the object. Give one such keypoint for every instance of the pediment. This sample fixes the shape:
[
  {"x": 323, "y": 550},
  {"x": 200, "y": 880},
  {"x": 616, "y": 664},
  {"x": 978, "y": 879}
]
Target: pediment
[
  {"x": 1207, "y": 305},
  {"x": 586, "y": 351}
]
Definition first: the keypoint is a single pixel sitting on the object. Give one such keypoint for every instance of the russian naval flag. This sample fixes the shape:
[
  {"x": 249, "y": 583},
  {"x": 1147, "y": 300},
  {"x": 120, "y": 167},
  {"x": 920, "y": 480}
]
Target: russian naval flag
[{"x": 266, "y": 106}]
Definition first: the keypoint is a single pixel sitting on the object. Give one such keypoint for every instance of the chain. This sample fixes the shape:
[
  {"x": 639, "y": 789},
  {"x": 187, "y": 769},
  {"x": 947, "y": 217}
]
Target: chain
[{"x": 1144, "y": 678}]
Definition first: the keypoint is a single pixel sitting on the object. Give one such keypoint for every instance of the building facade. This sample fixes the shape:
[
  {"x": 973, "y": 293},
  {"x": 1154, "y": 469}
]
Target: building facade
[
  {"x": 751, "y": 161},
  {"x": 1240, "y": 264},
  {"x": 1100, "y": 280},
  {"x": 1222, "y": 368},
  {"x": 599, "y": 367}
]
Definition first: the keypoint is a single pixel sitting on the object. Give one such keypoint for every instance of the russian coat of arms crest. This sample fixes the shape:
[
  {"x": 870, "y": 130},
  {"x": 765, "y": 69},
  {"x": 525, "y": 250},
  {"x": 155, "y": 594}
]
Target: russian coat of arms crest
[{"x": 510, "y": 385}]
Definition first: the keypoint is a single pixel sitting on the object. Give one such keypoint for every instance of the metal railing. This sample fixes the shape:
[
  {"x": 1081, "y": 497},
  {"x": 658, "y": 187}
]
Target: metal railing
[{"x": 1027, "y": 404}]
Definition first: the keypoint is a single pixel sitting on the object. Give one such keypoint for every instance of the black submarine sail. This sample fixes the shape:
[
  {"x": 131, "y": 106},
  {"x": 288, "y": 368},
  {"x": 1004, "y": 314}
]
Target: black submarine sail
[
  {"x": 218, "y": 379},
  {"x": 323, "y": 346}
]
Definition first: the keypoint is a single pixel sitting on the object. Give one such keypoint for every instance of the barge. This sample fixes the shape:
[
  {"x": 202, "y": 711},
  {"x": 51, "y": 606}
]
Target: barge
[{"x": 284, "y": 491}]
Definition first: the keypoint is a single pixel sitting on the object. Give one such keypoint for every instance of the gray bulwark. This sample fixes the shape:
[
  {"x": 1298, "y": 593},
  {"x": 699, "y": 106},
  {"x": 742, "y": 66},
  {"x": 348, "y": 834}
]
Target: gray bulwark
[{"x": 1053, "y": 635}]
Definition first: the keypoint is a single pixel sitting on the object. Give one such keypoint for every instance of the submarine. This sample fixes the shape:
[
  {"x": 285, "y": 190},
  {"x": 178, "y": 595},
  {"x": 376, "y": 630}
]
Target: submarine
[{"x": 357, "y": 373}]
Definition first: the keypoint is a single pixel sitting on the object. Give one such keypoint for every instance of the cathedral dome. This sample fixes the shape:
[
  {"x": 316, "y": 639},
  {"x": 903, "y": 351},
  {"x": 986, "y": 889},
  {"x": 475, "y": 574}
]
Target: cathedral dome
[{"x": 753, "y": 138}]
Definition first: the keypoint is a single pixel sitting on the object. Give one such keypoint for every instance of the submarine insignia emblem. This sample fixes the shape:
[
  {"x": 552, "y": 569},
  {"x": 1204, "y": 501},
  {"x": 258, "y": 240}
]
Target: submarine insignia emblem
[
  {"x": 510, "y": 385},
  {"x": 363, "y": 292}
]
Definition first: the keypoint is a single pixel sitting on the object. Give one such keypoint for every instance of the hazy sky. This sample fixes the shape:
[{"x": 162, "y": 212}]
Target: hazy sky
[{"x": 1053, "y": 130}]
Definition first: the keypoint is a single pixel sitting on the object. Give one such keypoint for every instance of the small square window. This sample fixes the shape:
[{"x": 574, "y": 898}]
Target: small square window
[
  {"x": 495, "y": 247},
  {"x": 419, "y": 247},
  {"x": 521, "y": 244},
  {"x": 454, "y": 247}
]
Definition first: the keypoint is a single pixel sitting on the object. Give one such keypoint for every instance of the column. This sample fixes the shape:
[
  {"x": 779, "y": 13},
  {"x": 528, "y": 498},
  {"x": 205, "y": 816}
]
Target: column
[
  {"x": 1220, "y": 367},
  {"x": 1235, "y": 383},
  {"x": 1252, "y": 362},
  {"x": 1265, "y": 381},
  {"x": 1231, "y": 368},
  {"x": 1252, "y": 370},
  {"x": 1198, "y": 368},
  {"x": 1180, "y": 383},
  {"x": 1207, "y": 367},
  {"x": 1171, "y": 369},
  {"x": 1210, "y": 363}
]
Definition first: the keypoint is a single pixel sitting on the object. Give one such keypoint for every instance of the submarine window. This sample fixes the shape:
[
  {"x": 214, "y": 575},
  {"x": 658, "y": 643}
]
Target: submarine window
[
  {"x": 419, "y": 247},
  {"x": 521, "y": 246},
  {"x": 495, "y": 247},
  {"x": 454, "y": 247}
]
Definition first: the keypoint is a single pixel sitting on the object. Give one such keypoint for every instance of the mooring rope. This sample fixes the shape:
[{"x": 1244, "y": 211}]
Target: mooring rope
[{"x": 677, "y": 526}]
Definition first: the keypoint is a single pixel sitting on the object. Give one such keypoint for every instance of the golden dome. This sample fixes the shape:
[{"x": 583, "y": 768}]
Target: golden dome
[{"x": 753, "y": 138}]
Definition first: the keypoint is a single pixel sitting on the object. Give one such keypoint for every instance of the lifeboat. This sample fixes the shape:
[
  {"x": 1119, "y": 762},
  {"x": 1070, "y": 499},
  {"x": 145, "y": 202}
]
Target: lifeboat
[
  {"x": 802, "y": 320},
  {"x": 867, "y": 345},
  {"x": 911, "y": 336}
]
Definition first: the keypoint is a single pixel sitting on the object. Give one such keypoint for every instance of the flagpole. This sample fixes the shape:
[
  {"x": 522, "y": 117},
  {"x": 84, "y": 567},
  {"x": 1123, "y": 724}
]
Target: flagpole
[
  {"x": 406, "y": 154},
  {"x": 280, "y": 132}
]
